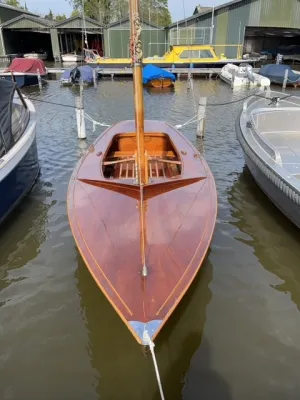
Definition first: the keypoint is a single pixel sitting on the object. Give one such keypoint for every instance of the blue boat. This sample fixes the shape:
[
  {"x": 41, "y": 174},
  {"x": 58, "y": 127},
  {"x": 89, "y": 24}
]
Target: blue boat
[
  {"x": 73, "y": 76},
  {"x": 157, "y": 77},
  {"x": 275, "y": 72},
  {"x": 19, "y": 166}
]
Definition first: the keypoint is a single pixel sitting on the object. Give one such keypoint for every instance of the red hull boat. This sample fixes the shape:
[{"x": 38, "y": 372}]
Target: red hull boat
[{"x": 142, "y": 207}]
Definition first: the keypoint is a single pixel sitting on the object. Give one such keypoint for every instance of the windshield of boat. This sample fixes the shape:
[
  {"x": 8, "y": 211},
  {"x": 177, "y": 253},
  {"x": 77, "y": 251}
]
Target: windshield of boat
[
  {"x": 19, "y": 118},
  {"x": 12, "y": 129},
  {"x": 196, "y": 54}
]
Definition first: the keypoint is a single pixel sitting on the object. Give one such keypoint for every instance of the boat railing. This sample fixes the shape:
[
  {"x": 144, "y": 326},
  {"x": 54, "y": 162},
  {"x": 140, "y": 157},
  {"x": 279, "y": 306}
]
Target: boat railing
[
  {"x": 265, "y": 95},
  {"x": 262, "y": 141}
]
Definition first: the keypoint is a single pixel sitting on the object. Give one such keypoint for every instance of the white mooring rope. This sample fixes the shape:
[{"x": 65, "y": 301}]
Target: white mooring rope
[
  {"x": 192, "y": 120},
  {"x": 89, "y": 118},
  {"x": 149, "y": 342}
]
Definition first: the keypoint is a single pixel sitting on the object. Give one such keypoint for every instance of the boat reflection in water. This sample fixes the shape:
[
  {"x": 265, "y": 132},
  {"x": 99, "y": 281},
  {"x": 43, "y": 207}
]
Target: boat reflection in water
[
  {"x": 274, "y": 238},
  {"x": 22, "y": 235},
  {"x": 154, "y": 90},
  {"x": 125, "y": 371}
]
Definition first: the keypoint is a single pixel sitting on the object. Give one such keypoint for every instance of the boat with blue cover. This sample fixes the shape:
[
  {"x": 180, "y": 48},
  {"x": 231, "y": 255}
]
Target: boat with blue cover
[
  {"x": 73, "y": 76},
  {"x": 276, "y": 72},
  {"x": 19, "y": 166},
  {"x": 154, "y": 76}
]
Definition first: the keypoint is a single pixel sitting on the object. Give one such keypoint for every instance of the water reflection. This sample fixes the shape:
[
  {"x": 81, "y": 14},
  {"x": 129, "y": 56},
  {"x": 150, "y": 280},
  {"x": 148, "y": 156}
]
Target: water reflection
[
  {"x": 125, "y": 372},
  {"x": 202, "y": 380},
  {"x": 20, "y": 243},
  {"x": 159, "y": 91},
  {"x": 274, "y": 239}
]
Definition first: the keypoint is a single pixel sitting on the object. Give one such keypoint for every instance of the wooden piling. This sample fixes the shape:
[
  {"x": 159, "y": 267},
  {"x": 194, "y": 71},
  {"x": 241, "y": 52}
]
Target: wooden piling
[
  {"x": 189, "y": 80},
  {"x": 286, "y": 75},
  {"x": 80, "y": 114},
  {"x": 233, "y": 78},
  {"x": 39, "y": 79},
  {"x": 201, "y": 116},
  {"x": 95, "y": 73}
]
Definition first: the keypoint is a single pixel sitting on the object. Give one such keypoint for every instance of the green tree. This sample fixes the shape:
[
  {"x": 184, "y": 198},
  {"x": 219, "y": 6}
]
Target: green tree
[
  {"x": 60, "y": 17},
  {"x": 156, "y": 12},
  {"x": 13, "y": 3},
  {"x": 49, "y": 16},
  {"x": 75, "y": 13},
  {"x": 106, "y": 11}
]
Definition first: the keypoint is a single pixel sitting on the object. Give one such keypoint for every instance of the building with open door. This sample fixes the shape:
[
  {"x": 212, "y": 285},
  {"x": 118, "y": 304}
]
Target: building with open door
[
  {"x": 28, "y": 33},
  {"x": 243, "y": 26},
  {"x": 8, "y": 13}
]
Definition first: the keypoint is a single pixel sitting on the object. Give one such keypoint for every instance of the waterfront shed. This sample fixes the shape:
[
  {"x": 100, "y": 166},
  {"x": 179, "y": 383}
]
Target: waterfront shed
[
  {"x": 8, "y": 13},
  {"x": 27, "y": 33},
  {"x": 71, "y": 34},
  {"x": 242, "y": 26}
]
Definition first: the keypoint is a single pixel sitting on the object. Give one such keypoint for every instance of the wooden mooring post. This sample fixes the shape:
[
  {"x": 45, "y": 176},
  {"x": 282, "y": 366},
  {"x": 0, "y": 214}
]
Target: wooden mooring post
[
  {"x": 232, "y": 79},
  {"x": 95, "y": 73},
  {"x": 189, "y": 80},
  {"x": 201, "y": 116},
  {"x": 80, "y": 114},
  {"x": 286, "y": 75},
  {"x": 39, "y": 79}
]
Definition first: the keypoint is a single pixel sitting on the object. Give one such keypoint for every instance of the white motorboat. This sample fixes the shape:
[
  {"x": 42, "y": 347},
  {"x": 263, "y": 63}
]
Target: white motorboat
[
  {"x": 242, "y": 75},
  {"x": 269, "y": 134},
  {"x": 40, "y": 56},
  {"x": 72, "y": 57}
]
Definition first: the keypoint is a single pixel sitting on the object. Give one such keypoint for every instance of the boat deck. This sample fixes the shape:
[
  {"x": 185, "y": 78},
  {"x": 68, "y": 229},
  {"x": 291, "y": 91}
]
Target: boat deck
[
  {"x": 288, "y": 146},
  {"x": 280, "y": 130}
]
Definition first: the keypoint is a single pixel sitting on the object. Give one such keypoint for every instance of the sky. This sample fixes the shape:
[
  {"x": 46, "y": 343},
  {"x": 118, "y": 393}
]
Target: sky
[{"x": 63, "y": 6}]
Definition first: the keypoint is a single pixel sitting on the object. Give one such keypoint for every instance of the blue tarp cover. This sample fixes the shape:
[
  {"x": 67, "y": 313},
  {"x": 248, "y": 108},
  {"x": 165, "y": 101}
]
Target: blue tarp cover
[
  {"x": 151, "y": 72},
  {"x": 86, "y": 73},
  {"x": 277, "y": 71}
]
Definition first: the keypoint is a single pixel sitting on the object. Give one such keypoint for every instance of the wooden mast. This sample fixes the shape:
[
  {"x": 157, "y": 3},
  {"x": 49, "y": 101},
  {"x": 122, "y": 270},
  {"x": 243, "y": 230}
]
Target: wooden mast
[{"x": 137, "y": 59}]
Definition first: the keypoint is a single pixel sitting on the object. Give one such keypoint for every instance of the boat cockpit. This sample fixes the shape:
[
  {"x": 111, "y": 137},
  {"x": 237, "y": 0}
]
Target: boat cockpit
[{"x": 162, "y": 160}]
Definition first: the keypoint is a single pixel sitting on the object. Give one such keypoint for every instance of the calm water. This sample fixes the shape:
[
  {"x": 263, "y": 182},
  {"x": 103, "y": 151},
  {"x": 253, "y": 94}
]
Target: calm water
[{"x": 234, "y": 336}]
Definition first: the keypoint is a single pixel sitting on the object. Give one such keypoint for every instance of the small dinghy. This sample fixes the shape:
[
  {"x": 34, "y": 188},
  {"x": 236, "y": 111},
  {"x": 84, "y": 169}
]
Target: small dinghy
[
  {"x": 242, "y": 75},
  {"x": 157, "y": 77},
  {"x": 269, "y": 133},
  {"x": 26, "y": 71},
  {"x": 73, "y": 76},
  {"x": 276, "y": 72}
]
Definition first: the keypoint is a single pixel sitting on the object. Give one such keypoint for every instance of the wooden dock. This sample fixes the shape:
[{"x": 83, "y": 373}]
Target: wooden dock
[
  {"x": 112, "y": 72},
  {"x": 127, "y": 72}
]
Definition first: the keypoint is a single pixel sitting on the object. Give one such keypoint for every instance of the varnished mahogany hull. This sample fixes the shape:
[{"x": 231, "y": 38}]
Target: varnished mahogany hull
[{"x": 177, "y": 218}]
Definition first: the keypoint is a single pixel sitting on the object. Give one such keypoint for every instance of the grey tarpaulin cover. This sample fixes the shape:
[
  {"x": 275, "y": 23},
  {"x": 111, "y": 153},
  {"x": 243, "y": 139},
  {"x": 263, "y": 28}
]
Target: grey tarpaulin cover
[{"x": 7, "y": 90}]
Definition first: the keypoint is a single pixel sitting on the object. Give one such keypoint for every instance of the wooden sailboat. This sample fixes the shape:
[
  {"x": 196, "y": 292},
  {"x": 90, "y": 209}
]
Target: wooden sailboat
[{"x": 142, "y": 207}]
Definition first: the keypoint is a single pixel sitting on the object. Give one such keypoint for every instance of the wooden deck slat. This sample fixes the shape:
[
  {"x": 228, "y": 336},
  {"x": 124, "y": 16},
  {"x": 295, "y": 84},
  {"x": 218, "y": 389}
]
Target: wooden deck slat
[{"x": 156, "y": 168}]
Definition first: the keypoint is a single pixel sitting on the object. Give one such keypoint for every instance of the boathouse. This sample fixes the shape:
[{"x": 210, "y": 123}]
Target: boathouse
[
  {"x": 8, "y": 13},
  {"x": 242, "y": 26},
  {"x": 23, "y": 32}
]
